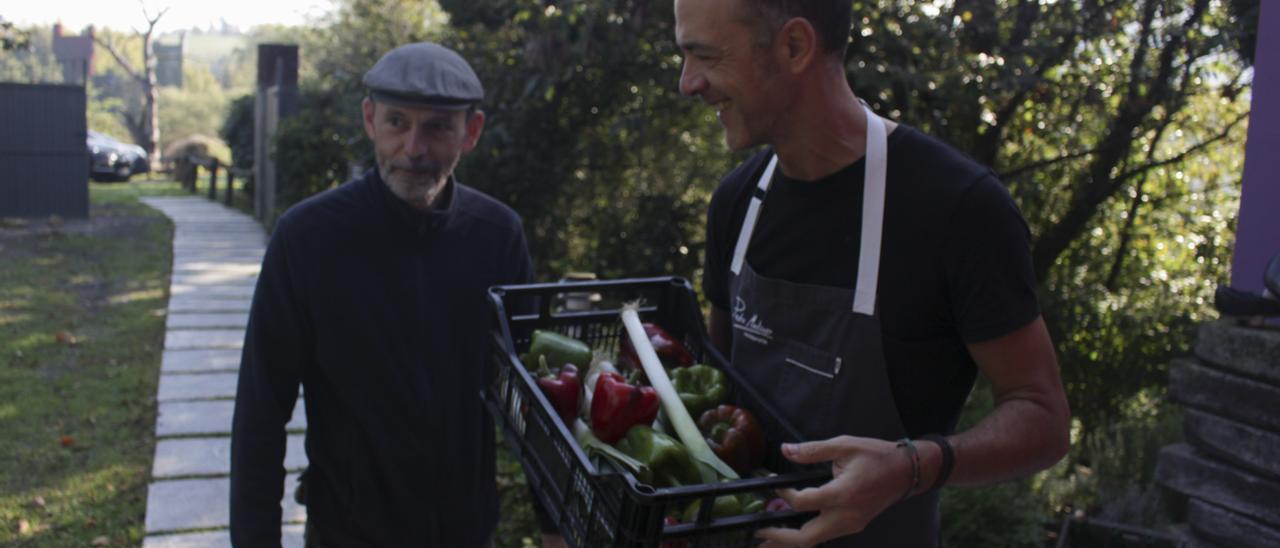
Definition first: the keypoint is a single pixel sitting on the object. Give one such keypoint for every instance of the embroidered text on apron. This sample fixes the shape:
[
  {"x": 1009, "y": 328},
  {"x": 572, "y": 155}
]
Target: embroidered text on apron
[{"x": 820, "y": 361}]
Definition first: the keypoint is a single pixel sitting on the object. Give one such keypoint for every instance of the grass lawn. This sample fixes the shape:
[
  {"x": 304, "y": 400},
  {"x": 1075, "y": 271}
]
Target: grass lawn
[
  {"x": 81, "y": 328},
  {"x": 82, "y": 306}
]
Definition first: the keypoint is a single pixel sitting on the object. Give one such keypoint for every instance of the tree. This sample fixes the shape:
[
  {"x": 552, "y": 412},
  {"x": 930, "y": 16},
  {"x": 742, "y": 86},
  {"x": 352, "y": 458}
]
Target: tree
[
  {"x": 13, "y": 38},
  {"x": 146, "y": 127},
  {"x": 1114, "y": 124},
  {"x": 1086, "y": 109},
  {"x": 33, "y": 62},
  {"x": 197, "y": 108},
  {"x": 588, "y": 137},
  {"x": 1117, "y": 126}
]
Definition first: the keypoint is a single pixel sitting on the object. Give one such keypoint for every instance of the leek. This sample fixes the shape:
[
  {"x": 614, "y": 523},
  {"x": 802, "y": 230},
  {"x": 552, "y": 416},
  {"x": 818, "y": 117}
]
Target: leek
[
  {"x": 674, "y": 409},
  {"x": 594, "y": 445}
]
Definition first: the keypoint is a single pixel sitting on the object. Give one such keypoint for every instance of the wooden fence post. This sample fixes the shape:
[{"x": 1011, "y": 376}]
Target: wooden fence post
[
  {"x": 213, "y": 181},
  {"x": 231, "y": 184}
]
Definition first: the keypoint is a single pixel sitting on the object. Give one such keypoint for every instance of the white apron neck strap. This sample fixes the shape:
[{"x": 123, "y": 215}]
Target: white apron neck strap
[
  {"x": 864, "y": 294},
  {"x": 753, "y": 213}
]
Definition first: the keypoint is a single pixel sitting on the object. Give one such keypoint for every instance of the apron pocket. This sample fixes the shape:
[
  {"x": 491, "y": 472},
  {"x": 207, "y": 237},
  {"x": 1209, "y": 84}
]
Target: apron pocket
[{"x": 806, "y": 381}]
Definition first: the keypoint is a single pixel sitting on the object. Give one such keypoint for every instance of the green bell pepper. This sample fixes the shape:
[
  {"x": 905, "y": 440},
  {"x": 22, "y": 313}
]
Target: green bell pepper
[
  {"x": 701, "y": 387},
  {"x": 724, "y": 506},
  {"x": 558, "y": 349},
  {"x": 666, "y": 462}
]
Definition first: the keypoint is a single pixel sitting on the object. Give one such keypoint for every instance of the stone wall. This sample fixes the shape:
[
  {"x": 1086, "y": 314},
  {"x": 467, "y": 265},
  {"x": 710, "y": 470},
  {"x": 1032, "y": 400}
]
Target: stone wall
[{"x": 1229, "y": 467}]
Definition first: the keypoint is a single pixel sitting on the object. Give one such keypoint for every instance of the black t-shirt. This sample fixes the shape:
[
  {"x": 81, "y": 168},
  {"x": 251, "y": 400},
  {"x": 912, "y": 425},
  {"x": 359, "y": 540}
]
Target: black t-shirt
[{"x": 955, "y": 264}]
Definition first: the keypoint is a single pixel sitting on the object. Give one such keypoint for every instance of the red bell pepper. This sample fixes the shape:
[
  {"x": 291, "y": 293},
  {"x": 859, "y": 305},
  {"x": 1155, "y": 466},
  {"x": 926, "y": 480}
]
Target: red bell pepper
[
  {"x": 563, "y": 387},
  {"x": 671, "y": 351},
  {"x": 617, "y": 406},
  {"x": 735, "y": 437},
  {"x": 671, "y": 520}
]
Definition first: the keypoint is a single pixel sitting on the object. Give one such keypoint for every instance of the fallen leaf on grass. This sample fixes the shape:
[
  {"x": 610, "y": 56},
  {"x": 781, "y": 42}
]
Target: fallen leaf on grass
[
  {"x": 101, "y": 541},
  {"x": 67, "y": 441},
  {"x": 65, "y": 337},
  {"x": 25, "y": 528}
]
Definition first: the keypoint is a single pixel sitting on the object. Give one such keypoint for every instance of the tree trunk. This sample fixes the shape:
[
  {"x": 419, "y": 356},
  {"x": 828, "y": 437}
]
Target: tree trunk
[
  {"x": 151, "y": 120},
  {"x": 146, "y": 128}
]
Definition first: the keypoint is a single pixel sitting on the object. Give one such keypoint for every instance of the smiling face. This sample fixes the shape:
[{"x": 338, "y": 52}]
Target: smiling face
[
  {"x": 417, "y": 148},
  {"x": 727, "y": 69}
]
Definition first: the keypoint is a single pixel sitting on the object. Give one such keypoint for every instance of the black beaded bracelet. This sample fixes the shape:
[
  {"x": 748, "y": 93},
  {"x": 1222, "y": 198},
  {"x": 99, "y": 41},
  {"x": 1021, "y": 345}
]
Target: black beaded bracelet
[
  {"x": 915, "y": 466},
  {"x": 948, "y": 460}
]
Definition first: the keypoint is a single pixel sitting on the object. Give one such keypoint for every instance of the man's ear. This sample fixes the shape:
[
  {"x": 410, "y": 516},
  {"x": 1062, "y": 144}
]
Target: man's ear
[
  {"x": 475, "y": 126},
  {"x": 798, "y": 45},
  {"x": 366, "y": 108}
]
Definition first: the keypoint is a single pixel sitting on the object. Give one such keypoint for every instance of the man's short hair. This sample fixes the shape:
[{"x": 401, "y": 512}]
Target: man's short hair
[{"x": 831, "y": 19}]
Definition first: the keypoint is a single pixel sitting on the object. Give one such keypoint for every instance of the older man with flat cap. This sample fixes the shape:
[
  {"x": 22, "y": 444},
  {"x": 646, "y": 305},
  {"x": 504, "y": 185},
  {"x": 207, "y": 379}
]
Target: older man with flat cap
[{"x": 371, "y": 297}]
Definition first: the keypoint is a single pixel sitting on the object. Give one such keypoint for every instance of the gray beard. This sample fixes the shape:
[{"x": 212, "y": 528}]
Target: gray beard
[{"x": 421, "y": 197}]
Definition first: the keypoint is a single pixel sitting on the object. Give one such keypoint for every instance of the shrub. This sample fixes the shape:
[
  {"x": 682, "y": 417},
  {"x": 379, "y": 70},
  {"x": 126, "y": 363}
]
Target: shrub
[
  {"x": 312, "y": 150},
  {"x": 177, "y": 157},
  {"x": 1009, "y": 514},
  {"x": 237, "y": 131}
]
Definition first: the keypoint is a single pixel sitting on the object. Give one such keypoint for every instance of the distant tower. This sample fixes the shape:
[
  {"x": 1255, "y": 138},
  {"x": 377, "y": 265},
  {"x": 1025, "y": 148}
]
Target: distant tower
[
  {"x": 74, "y": 54},
  {"x": 169, "y": 62}
]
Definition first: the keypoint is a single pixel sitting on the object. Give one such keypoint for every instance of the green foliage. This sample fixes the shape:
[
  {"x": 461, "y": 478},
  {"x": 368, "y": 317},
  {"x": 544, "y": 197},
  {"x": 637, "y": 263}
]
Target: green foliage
[
  {"x": 237, "y": 72},
  {"x": 237, "y": 131},
  {"x": 34, "y": 63},
  {"x": 357, "y": 34},
  {"x": 1009, "y": 514},
  {"x": 1118, "y": 127},
  {"x": 588, "y": 137},
  {"x": 310, "y": 154},
  {"x": 103, "y": 114},
  {"x": 1110, "y": 474},
  {"x": 197, "y": 108},
  {"x": 116, "y": 91},
  {"x": 12, "y": 38}
]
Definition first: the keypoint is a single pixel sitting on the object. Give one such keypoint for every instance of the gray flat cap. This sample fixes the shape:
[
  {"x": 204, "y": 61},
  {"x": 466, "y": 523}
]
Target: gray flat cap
[{"x": 424, "y": 75}]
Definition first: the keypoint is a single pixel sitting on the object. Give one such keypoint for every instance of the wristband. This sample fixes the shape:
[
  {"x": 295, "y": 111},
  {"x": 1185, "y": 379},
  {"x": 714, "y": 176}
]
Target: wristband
[
  {"x": 948, "y": 460},
  {"x": 915, "y": 466}
]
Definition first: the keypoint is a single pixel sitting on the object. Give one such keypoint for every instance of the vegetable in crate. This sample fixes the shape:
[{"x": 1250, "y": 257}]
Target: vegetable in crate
[
  {"x": 617, "y": 406},
  {"x": 666, "y": 462},
  {"x": 735, "y": 436},
  {"x": 671, "y": 351},
  {"x": 701, "y": 387},
  {"x": 671, "y": 520},
  {"x": 676, "y": 414},
  {"x": 725, "y": 506},
  {"x": 558, "y": 349},
  {"x": 562, "y": 386}
]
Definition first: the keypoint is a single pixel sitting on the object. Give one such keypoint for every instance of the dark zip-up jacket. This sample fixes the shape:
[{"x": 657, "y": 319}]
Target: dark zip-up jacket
[{"x": 379, "y": 311}]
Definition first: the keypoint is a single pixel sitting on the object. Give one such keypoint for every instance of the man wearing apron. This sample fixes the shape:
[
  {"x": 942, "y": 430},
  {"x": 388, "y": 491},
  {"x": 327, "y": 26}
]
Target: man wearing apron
[{"x": 860, "y": 274}]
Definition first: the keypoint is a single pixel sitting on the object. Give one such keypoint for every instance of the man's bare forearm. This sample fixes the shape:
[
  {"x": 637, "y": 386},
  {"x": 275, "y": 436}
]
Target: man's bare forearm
[{"x": 1029, "y": 428}]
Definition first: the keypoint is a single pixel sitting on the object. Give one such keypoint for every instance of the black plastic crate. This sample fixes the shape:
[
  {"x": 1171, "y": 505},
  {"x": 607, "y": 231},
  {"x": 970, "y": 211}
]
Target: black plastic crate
[{"x": 600, "y": 505}]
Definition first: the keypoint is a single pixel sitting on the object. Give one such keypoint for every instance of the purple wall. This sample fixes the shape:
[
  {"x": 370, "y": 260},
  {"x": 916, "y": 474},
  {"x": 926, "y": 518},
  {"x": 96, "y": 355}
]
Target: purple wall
[{"x": 1258, "y": 233}]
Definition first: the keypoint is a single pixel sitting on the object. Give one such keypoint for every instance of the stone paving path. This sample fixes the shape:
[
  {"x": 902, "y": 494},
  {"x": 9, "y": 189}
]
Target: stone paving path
[{"x": 216, "y": 255}]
